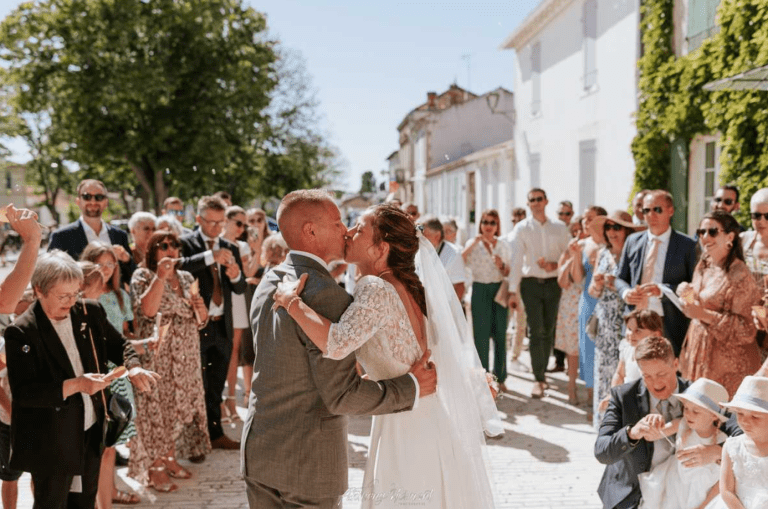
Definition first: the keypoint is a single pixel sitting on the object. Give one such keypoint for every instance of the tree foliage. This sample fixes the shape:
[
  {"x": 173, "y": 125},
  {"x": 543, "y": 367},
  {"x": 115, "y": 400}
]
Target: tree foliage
[
  {"x": 368, "y": 183},
  {"x": 674, "y": 106},
  {"x": 160, "y": 95}
]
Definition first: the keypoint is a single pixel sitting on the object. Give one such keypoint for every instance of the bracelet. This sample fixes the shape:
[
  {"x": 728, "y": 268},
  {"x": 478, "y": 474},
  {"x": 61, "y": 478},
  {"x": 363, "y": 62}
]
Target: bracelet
[{"x": 290, "y": 303}]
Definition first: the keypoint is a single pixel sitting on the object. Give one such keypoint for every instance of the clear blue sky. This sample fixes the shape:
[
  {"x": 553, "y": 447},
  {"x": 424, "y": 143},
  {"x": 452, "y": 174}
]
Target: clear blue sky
[{"x": 372, "y": 62}]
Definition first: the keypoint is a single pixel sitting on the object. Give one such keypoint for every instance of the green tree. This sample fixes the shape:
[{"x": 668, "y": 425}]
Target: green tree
[
  {"x": 162, "y": 93},
  {"x": 368, "y": 184}
]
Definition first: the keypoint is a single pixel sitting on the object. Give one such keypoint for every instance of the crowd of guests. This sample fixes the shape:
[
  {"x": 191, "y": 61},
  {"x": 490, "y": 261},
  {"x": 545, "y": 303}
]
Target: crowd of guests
[
  {"x": 630, "y": 303},
  {"x": 158, "y": 319}
]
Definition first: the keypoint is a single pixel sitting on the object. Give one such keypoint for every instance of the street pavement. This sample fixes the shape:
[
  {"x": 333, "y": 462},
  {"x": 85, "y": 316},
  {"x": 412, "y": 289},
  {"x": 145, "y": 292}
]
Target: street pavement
[{"x": 544, "y": 459}]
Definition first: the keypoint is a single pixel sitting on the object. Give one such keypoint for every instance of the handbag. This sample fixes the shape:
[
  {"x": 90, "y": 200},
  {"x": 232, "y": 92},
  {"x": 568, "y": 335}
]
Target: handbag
[
  {"x": 117, "y": 408},
  {"x": 502, "y": 295}
]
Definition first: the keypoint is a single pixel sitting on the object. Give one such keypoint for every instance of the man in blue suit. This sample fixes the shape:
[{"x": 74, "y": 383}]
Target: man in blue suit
[
  {"x": 72, "y": 238},
  {"x": 629, "y": 441},
  {"x": 659, "y": 255}
]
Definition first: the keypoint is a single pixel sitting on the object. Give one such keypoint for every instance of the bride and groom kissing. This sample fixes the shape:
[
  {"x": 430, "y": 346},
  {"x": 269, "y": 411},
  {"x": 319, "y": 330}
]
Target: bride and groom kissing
[{"x": 309, "y": 334}]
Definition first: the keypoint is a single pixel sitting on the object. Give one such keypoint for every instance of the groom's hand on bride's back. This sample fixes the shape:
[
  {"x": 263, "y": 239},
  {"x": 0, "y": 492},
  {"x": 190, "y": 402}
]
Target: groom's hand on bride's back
[{"x": 425, "y": 372}]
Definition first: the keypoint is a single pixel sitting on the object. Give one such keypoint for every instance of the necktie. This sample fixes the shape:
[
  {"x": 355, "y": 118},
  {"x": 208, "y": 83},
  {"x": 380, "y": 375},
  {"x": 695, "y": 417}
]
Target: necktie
[
  {"x": 650, "y": 262},
  {"x": 217, "y": 295},
  {"x": 665, "y": 446}
]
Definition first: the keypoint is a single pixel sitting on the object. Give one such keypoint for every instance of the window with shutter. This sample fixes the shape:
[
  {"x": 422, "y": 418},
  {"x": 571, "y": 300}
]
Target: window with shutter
[{"x": 701, "y": 21}]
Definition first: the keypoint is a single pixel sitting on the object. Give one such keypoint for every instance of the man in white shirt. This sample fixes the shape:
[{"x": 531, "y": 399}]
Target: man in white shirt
[
  {"x": 538, "y": 244},
  {"x": 449, "y": 255}
]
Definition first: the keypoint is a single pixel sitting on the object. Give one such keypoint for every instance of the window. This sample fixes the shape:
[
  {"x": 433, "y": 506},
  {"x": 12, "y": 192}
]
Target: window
[
  {"x": 710, "y": 174},
  {"x": 701, "y": 21},
  {"x": 536, "y": 79},
  {"x": 587, "y": 166},
  {"x": 589, "y": 26},
  {"x": 535, "y": 166}
]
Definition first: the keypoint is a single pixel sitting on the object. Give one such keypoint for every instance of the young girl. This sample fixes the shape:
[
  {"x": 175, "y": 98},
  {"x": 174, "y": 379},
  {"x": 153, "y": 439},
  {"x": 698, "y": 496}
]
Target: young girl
[
  {"x": 744, "y": 474},
  {"x": 670, "y": 484}
]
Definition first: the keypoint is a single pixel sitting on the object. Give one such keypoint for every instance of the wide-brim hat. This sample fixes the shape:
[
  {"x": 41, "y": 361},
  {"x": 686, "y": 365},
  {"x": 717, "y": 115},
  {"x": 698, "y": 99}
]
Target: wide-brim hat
[
  {"x": 706, "y": 394},
  {"x": 621, "y": 217},
  {"x": 752, "y": 395}
]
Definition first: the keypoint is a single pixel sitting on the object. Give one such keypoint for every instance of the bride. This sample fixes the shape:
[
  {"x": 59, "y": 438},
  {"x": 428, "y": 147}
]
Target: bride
[{"x": 432, "y": 456}]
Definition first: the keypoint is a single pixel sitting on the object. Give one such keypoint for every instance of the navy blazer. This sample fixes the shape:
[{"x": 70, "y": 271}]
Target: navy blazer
[
  {"x": 47, "y": 433},
  {"x": 619, "y": 487},
  {"x": 678, "y": 267},
  {"x": 72, "y": 240},
  {"x": 193, "y": 250}
]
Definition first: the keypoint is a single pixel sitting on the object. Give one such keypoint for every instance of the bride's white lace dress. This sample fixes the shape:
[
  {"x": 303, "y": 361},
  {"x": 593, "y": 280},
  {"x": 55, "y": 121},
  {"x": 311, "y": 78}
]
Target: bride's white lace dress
[{"x": 416, "y": 458}]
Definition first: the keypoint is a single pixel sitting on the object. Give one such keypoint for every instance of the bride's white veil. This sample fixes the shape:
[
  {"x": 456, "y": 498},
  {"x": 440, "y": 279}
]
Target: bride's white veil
[{"x": 462, "y": 385}]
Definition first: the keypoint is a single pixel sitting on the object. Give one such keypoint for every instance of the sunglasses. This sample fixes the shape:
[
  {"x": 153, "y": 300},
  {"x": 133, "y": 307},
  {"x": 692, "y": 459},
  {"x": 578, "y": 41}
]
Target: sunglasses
[
  {"x": 488, "y": 223},
  {"x": 658, "y": 210},
  {"x": 712, "y": 232},
  {"x": 535, "y": 199},
  {"x": 238, "y": 223},
  {"x": 612, "y": 226},
  {"x": 165, "y": 246},
  {"x": 759, "y": 215},
  {"x": 727, "y": 201},
  {"x": 569, "y": 214},
  {"x": 96, "y": 197},
  {"x": 179, "y": 213}
]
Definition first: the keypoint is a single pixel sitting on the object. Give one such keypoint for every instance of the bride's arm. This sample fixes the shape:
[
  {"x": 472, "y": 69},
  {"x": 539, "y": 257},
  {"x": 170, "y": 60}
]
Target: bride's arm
[{"x": 357, "y": 325}]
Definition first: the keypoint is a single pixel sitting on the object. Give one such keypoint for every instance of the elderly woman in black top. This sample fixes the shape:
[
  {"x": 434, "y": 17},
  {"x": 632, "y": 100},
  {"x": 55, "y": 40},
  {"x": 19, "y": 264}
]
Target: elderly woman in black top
[{"x": 57, "y": 363}]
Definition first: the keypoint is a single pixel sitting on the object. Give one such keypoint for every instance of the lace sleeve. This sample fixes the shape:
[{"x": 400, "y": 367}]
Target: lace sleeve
[{"x": 362, "y": 319}]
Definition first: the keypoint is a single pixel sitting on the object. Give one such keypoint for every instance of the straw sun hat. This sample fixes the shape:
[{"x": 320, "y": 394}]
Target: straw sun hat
[
  {"x": 752, "y": 395},
  {"x": 621, "y": 217},
  {"x": 706, "y": 394}
]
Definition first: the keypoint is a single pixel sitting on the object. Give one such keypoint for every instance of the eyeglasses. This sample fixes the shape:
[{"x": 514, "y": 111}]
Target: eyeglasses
[
  {"x": 567, "y": 214},
  {"x": 657, "y": 210},
  {"x": 89, "y": 197},
  {"x": 176, "y": 212},
  {"x": 727, "y": 201},
  {"x": 487, "y": 223},
  {"x": 108, "y": 265},
  {"x": 759, "y": 215},
  {"x": 215, "y": 223},
  {"x": 165, "y": 246},
  {"x": 68, "y": 297},
  {"x": 535, "y": 199},
  {"x": 712, "y": 232},
  {"x": 238, "y": 223},
  {"x": 612, "y": 226}
]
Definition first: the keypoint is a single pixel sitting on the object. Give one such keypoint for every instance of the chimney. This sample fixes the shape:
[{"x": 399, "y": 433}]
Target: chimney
[{"x": 431, "y": 100}]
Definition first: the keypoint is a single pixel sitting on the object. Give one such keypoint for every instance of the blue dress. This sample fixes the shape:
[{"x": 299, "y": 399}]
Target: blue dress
[{"x": 586, "y": 345}]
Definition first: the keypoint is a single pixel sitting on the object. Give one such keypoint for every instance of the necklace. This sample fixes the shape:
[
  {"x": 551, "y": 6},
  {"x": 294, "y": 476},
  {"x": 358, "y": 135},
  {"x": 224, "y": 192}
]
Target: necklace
[{"x": 388, "y": 271}]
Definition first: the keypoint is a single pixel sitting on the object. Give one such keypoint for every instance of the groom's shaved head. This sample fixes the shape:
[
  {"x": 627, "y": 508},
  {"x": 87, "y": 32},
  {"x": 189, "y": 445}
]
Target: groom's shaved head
[{"x": 299, "y": 208}]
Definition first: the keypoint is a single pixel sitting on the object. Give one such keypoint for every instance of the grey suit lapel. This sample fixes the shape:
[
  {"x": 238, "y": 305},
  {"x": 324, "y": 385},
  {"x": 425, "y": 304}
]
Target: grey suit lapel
[
  {"x": 297, "y": 260},
  {"x": 644, "y": 408}
]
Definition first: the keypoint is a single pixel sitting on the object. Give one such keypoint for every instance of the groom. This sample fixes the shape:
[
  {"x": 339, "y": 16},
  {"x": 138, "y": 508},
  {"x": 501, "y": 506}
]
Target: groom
[{"x": 294, "y": 447}]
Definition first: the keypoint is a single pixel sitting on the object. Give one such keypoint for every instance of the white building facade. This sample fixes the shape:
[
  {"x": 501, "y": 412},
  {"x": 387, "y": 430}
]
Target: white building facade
[{"x": 575, "y": 97}]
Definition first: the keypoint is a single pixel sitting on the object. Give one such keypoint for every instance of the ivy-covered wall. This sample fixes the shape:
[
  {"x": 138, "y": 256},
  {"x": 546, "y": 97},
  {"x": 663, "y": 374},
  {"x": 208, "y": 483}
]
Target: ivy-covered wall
[{"x": 674, "y": 107}]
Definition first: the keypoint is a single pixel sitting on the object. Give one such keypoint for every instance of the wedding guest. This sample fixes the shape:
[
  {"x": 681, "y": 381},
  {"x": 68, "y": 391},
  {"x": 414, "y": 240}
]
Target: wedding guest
[
  {"x": 170, "y": 421},
  {"x": 629, "y": 440},
  {"x": 449, "y": 255},
  {"x": 645, "y": 264},
  {"x": 755, "y": 244},
  {"x": 745, "y": 458},
  {"x": 174, "y": 207},
  {"x": 539, "y": 244},
  {"x": 517, "y": 327},
  {"x": 58, "y": 408},
  {"x": 141, "y": 226},
  {"x": 451, "y": 230},
  {"x": 564, "y": 212},
  {"x": 586, "y": 251},
  {"x": 273, "y": 251},
  {"x": 616, "y": 227},
  {"x": 258, "y": 219},
  {"x": 673, "y": 484},
  {"x": 224, "y": 196},
  {"x": 487, "y": 258},
  {"x": 638, "y": 217},
  {"x": 720, "y": 344},
  {"x": 170, "y": 223},
  {"x": 9, "y": 493},
  {"x": 412, "y": 210},
  {"x": 639, "y": 324},
  {"x": 567, "y": 331},
  {"x": 24, "y": 222},
  {"x": 726, "y": 199}
]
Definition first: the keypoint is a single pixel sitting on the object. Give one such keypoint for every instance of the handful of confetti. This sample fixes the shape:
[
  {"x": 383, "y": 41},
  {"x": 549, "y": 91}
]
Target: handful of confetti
[{"x": 688, "y": 296}]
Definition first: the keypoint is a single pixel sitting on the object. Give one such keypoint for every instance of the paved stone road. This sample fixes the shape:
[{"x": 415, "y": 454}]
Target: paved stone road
[{"x": 544, "y": 460}]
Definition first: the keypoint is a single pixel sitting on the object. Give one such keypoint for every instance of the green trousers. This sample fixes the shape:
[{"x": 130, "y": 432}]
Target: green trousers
[
  {"x": 489, "y": 320},
  {"x": 541, "y": 298}
]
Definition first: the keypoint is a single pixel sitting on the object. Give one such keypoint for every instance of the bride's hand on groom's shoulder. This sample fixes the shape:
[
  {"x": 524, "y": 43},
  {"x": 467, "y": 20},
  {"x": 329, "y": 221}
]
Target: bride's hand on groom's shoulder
[
  {"x": 288, "y": 290},
  {"x": 425, "y": 372}
]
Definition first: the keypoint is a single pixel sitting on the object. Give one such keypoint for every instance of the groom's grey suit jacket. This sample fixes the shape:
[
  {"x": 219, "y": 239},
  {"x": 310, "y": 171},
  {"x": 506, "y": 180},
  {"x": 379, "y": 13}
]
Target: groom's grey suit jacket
[{"x": 295, "y": 435}]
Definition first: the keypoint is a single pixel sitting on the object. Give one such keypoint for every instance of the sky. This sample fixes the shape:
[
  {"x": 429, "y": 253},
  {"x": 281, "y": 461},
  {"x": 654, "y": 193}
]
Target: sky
[{"x": 372, "y": 62}]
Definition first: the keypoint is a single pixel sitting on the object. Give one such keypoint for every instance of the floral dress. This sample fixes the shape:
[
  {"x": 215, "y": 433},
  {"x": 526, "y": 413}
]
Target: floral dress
[
  {"x": 116, "y": 315},
  {"x": 610, "y": 324},
  {"x": 567, "y": 331},
  {"x": 172, "y": 416},
  {"x": 758, "y": 267},
  {"x": 725, "y": 350}
]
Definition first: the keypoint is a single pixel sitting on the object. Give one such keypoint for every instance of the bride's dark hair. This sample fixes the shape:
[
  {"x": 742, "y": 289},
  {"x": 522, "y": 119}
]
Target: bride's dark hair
[{"x": 392, "y": 225}]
